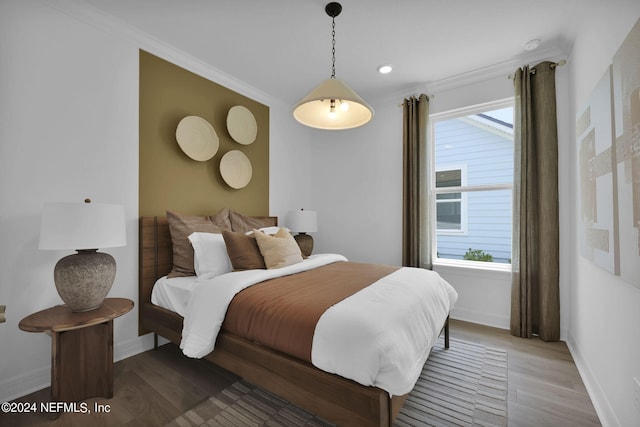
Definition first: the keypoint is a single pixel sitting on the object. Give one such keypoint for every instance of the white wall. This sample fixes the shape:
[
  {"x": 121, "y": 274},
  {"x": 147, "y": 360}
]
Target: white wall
[
  {"x": 357, "y": 188},
  {"x": 69, "y": 130},
  {"x": 604, "y": 333},
  {"x": 289, "y": 163}
]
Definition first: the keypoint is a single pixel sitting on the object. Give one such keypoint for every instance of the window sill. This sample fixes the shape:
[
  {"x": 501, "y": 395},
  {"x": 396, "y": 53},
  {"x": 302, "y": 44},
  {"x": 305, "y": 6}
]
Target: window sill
[{"x": 472, "y": 267}]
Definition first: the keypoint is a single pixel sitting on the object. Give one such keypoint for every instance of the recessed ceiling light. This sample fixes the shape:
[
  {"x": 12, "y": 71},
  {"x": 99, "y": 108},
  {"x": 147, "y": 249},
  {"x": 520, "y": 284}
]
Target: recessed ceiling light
[
  {"x": 532, "y": 44},
  {"x": 384, "y": 69}
]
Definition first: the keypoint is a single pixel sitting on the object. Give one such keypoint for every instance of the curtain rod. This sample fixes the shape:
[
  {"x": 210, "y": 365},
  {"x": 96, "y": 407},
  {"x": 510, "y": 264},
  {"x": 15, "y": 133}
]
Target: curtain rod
[
  {"x": 429, "y": 98},
  {"x": 553, "y": 66},
  {"x": 558, "y": 64}
]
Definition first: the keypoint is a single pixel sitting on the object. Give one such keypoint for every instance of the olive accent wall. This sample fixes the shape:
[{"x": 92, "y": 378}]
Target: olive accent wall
[{"x": 168, "y": 178}]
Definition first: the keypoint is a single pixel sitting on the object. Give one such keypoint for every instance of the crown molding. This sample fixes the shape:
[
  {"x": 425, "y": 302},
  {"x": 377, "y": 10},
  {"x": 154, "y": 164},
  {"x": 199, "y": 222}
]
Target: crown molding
[
  {"x": 109, "y": 24},
  {"x": 478, "y": 75},
  {"x": 502, "y": 69}
]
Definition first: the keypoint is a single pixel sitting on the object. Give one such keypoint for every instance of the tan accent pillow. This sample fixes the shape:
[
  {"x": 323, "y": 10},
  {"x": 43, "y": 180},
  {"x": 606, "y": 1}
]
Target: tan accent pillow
[
  {"x": 243, "y": 251},
  {"x": 180, "y": 227},
  {"x": 279, "y": 250},
  {"x": 243, "y": 223}
]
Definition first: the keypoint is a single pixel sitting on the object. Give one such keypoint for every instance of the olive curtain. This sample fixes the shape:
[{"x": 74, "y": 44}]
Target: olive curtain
[
  {"x": 535, "y": 300},
  {"x": 416, "y": 236}
]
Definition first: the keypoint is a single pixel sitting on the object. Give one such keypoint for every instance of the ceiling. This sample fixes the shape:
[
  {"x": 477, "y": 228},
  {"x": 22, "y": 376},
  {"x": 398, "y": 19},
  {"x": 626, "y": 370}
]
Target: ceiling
[{"x": 283, "y": 47}]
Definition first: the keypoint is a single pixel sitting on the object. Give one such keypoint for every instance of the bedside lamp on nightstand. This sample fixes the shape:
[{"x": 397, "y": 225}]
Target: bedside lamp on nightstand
[
  {"x": 84, "y": 279},
  {"x": 303, "y": 222}
]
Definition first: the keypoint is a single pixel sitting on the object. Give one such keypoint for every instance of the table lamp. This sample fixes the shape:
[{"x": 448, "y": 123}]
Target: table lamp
[
  {"x": 303, "y": 222},
  {"x": 83, "y": 279}
]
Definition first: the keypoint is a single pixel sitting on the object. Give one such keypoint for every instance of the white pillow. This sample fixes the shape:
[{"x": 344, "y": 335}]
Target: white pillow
[
  {"x": 210, "y": 257},
  {"x": 267, "y": 230}
]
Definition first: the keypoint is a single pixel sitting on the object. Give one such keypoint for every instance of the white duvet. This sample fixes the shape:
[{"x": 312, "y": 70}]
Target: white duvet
[{"x": 359, "y": 338}]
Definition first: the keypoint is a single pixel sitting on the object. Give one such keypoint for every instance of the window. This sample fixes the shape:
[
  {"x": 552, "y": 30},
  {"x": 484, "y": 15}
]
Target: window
[
  {"x": 449, "y": 206},
  {"x": 471, "y": 185}
]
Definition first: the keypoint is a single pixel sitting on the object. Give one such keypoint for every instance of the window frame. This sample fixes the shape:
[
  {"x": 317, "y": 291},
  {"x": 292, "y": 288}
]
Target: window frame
[
  {"x": 463, "y": 189},
  {"x": 463, "y": 200}
]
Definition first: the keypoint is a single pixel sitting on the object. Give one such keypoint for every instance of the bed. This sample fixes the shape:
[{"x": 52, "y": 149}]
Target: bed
[{"x": 333, "y": 397}]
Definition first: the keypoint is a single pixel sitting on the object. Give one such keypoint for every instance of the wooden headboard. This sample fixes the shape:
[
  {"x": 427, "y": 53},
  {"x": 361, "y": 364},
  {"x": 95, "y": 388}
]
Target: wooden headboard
[{"x": 156, "y": 257}]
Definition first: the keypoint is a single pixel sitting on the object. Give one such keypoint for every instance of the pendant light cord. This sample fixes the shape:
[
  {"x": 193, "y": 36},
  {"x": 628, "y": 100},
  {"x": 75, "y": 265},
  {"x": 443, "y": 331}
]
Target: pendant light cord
[{"x": 333, "y": 47}]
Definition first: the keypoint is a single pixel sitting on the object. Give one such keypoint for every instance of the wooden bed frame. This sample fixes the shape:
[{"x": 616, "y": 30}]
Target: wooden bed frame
[{"x": 330, "y": 396}]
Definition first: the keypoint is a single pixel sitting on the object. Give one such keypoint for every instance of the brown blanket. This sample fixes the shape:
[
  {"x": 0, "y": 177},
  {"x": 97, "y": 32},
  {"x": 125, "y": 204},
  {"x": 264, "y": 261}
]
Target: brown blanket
[{"x": 282, "y": 313}]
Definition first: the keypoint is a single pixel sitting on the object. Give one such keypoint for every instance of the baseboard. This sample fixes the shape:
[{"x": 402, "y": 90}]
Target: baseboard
[
  {"x": 479, "y": 317},
  {"x": 126, "y": 349},
  {"x": 598, "y": 398},
  {"x": 25, "y": 383},
  {"x": 37, "y": 379}
]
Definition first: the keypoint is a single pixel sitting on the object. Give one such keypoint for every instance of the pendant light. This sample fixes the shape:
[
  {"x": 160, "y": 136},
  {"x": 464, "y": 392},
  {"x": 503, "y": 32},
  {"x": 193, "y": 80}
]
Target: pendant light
[{"x": 333, "y": 105}]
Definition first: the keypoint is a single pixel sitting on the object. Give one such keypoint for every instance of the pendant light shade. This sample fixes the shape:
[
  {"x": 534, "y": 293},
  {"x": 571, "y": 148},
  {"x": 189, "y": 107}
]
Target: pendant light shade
[{"x": 333, "y": 105}]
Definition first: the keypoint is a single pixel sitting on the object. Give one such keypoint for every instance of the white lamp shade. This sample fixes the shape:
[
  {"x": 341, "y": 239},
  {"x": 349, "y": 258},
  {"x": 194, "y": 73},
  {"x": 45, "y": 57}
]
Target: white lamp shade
[
  {"x": 314, "y": 109},
  {"x": 302, "y": 221},
  {"x": 78, "y": 226}
]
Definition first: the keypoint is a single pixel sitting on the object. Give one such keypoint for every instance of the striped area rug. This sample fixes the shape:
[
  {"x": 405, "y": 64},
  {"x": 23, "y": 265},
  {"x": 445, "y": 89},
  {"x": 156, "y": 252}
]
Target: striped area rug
[{"x": 463, "y": 386}]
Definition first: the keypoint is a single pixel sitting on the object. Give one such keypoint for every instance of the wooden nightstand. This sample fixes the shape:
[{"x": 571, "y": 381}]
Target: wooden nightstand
[{"x": 81, "y": 348}]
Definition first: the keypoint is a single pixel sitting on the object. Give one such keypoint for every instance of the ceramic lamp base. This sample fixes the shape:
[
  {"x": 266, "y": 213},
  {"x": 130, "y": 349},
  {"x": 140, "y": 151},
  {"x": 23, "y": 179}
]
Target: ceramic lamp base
[
  {"x": 83, "y": 280},
  {"x": 305, "y": 242}
]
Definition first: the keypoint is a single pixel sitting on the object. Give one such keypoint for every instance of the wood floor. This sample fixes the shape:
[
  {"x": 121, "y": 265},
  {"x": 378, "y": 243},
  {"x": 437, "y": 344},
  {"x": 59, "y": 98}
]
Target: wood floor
[
  {"x": 545, "y": 388},
  {"x": 154, "y": 387}
]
